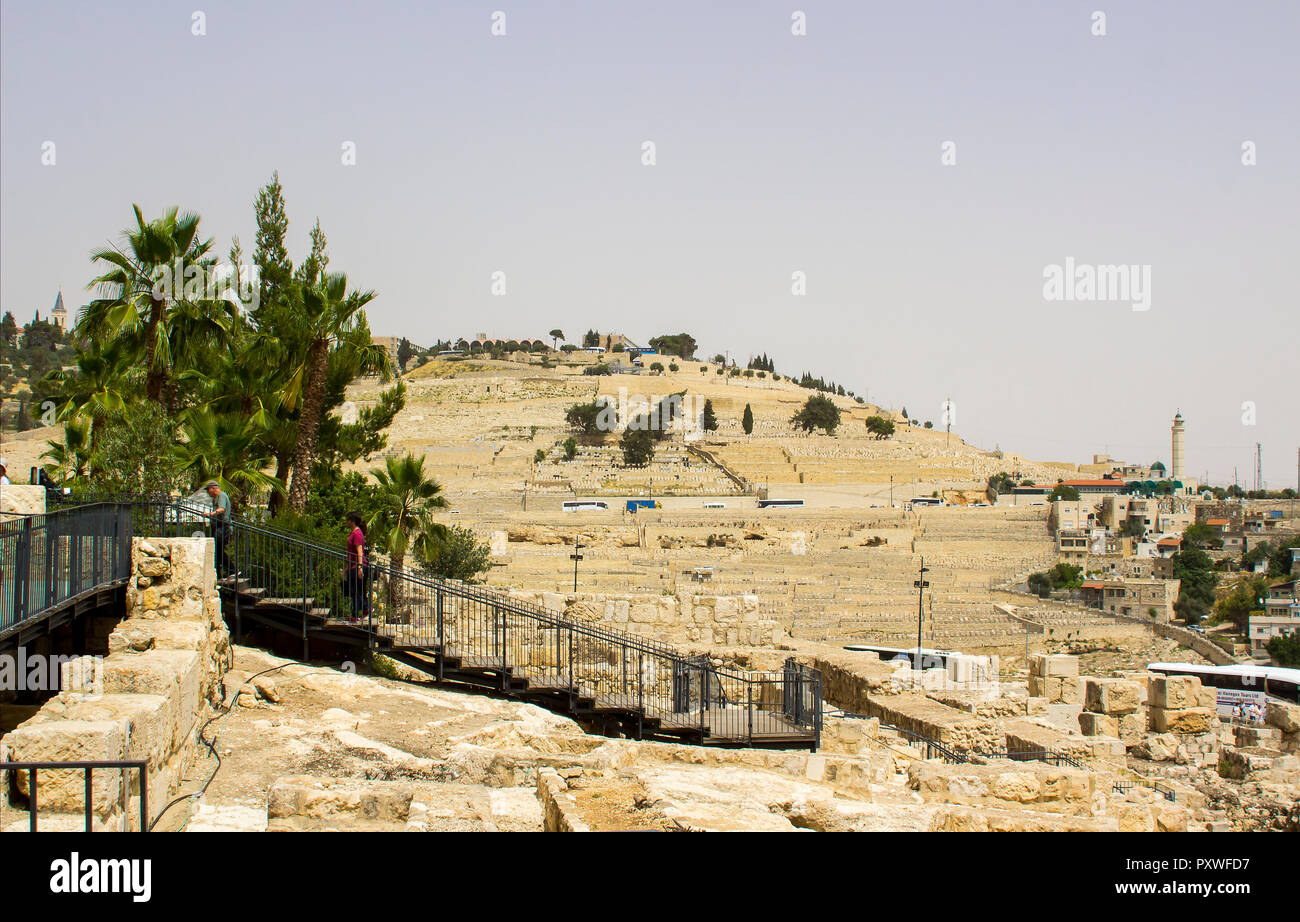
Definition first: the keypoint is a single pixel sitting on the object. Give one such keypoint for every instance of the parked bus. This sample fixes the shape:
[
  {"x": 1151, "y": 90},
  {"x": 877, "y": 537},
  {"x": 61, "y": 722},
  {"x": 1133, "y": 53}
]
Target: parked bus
[
  {"x": 779, "y": 503},
  {"x": 1240, "y": 683},
  {"x": 926, "y": 501},
  {"x": 584, "y": 505}
]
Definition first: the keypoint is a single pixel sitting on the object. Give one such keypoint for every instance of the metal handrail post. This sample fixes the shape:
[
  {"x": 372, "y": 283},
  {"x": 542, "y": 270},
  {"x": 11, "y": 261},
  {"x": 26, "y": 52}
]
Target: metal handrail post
[{"x": 749, "y": 689}]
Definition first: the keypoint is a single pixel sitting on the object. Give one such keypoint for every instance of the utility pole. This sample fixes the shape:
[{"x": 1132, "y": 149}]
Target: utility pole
[
  {"x": 920, "y": 585},
  {"x": 575, "y": 557}
]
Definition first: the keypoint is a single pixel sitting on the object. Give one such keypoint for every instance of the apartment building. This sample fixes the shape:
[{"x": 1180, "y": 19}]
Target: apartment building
[{"x": 1281, "y": 615}]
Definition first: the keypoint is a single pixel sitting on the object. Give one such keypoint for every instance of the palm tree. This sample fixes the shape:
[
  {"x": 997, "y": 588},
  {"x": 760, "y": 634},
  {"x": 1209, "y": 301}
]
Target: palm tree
[
  {"x": 406, "y": 497},
  {"x": 72, "y": 458},
  {"x": 167, "y": 325},
  {"x": 223, "y": 447},
  {"x": 97, "y": 389},
  {"x": 330, "y": 315},
  {"x": 247, "y": 378}
]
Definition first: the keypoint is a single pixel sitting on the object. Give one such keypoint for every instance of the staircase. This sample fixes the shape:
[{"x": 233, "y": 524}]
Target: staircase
[{"x": 611, "y": 682}]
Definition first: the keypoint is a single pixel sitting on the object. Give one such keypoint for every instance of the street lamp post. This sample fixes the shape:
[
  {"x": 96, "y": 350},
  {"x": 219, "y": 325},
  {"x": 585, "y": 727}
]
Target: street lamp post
[
  {"x": 575, "y": 557},
  {"x": 920, "y": 585}
]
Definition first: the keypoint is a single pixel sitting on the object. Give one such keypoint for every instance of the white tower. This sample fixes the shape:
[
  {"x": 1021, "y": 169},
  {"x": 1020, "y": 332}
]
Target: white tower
[{"x": 1176, "y": 450}]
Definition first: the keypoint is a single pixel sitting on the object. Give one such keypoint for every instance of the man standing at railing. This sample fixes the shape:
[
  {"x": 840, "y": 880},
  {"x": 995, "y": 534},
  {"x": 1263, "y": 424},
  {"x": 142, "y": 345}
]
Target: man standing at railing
[{"x": 220, "y": 519}]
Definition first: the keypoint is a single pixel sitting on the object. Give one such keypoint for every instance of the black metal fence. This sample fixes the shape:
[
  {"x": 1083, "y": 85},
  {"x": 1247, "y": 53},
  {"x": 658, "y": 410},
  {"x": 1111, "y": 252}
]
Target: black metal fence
[
  {"x": 87, "y": 769},
  {"x": 483, "y": 628},
  {"x": 932, "y": 748},
  {"x": 48, "y": 560}
]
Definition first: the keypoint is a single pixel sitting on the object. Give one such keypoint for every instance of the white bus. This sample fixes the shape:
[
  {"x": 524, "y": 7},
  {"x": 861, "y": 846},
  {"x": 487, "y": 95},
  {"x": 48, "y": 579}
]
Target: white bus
[
  {"x": 926, "y": 501},
  {"x": 779, "y": 503},
  {"x": 715, "y": 505},
  {"x": 1240, "y": 683},
  {"x": 584, "y": 505}
]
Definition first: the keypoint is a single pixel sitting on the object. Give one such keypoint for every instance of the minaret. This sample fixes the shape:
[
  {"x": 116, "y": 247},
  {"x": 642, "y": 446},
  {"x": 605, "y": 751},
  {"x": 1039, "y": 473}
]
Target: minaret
[{"x": 1176, "y": 471}]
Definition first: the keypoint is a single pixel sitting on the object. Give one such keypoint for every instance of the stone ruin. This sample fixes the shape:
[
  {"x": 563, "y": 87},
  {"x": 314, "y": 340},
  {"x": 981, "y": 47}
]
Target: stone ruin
[{"x": 161, "y": 677}]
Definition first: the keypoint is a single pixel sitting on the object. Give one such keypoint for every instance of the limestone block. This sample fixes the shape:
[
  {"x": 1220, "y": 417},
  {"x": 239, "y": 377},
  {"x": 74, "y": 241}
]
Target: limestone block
[
  {"x": 1243, "y": 763},
  {"x": 1186, "y": 720},
  {"x": 63, "y": 790},
  {"x": 1132, "y": 728},
  {"x": 1091, "y": 724},
  {"x": 1060, "y": 665},
  {"x": 155, "y": 568},
  {"x": 150, "y": 721},
  {"x": 1071, "y": 690},
  {"x": 1049, "y": 688},
  {"x": 1112, "y": 696},
  {"x": 1175, "y": 691},
  {"x": 1019, "y": 786},
  {"x": 1283, "y": 715},
  {"x": 1106, "y": 748},
  {"x": 1036, "y": 706},
  {"x": 1160, "y": 747},
  {"x": 1207, "y": 697},
  {"x": 173, "y": 674},
  {"x": 136, "y": 635},
  {"x": 1267, "y": 737}
]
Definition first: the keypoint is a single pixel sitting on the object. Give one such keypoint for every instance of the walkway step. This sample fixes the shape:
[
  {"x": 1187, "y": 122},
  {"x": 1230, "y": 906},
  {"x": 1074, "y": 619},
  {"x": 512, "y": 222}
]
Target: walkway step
[{"x": 299, "y": 602}]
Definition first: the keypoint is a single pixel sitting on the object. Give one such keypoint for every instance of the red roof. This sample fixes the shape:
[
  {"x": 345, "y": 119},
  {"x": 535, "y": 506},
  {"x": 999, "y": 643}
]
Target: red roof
[
  {"x": 1091, "y": 585},
  {"x": 1168, "y": 542},
  {"x": 1216, "y": 521}
]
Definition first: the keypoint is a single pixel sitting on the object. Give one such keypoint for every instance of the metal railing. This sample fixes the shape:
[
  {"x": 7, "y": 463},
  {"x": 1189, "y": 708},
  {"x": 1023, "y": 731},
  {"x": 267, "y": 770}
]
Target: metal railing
[
  {"x": 87, "y": 769},
  {"x": 483, "y": 629},
  {"x": 51, "y": 559},
  {"x": 1048, "y": 755},
  {"x": 932, "y": 748}
]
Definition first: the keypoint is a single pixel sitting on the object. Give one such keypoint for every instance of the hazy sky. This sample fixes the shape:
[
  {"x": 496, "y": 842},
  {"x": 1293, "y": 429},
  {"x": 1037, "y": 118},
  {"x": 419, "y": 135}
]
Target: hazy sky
[{"x": 775, "y": 153}]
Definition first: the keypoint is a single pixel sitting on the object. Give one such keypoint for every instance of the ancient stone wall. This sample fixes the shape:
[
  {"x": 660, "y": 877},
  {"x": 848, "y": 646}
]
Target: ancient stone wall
[
  {"x": 161, "y": 676},
  {"x": 674, "y": 619}
]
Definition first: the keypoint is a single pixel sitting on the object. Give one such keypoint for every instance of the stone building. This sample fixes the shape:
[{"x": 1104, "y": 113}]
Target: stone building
[
  {"x": 1281, "y": 615},
  {"x": 1136, "y": 598}
]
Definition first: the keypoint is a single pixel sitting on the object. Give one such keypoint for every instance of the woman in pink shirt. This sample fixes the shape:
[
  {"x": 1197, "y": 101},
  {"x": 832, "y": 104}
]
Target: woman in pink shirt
[{"x": 354, "y": 576}]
